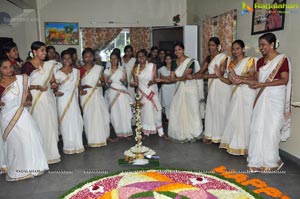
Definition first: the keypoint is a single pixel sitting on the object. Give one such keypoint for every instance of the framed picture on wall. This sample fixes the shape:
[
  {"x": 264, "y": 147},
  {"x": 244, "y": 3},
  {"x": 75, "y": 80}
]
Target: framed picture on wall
[
  {"x": 267, "y": 16},
  {"x": 61, "y": 33}
]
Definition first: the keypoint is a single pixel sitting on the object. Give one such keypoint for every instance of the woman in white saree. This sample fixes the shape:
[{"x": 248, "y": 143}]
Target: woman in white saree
[
  {"x": 44, "y": 109},
  {"x": 94, "y": 107},
  {"x": 185, "y": 124},
  {"x": 218, "y": 92},
  {"x": 236, "y": 130},
  {"x": 167, "y": 89},
  {"x": 128, "y": 62},
  {"x": 70, "y": 120},
  {"x": 21, "y": 136},
  {"x": 144, "y": 76},
  {"x": 270, "y": 122},
  {"x": 118, "y": 97},
  {"x": 3, "y": 167}
]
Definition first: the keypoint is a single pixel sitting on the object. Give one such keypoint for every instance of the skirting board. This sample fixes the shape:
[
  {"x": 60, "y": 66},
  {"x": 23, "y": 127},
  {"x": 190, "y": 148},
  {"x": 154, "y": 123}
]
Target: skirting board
[{"x": 287, "y": 156}]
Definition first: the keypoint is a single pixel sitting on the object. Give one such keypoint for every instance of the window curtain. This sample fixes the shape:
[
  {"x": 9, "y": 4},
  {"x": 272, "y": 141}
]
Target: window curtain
[
  {"x": 222, "y": 26},
  {"x": 207, "y": 33},
  {"x": 98, "y": 38},
  {"x": 140, "y": 38},
  {"x": 226, "y": 30}
]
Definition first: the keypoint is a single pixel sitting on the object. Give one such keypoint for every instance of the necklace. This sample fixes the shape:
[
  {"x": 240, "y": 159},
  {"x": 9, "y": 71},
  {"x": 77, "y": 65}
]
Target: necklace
[
  {"x": 8, "y": 82},
  {"x": 12, "y": 87},
  {"x": 39, "y": 67},
  {"x": 267, "y": 62},
  {"x": 266, "y": 67},
  {"x": 179, "y": 62},
  {"x": 71, "y": 76},
  {"x": 237, "y": 62},
  {"x": 40, "y": 70}
]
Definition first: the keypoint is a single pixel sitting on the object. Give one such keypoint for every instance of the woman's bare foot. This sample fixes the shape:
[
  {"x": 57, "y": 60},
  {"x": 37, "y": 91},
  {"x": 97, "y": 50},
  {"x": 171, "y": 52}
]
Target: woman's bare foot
[
  {"x": 164, "y": 136},
  {"x": 206, "y": 141}
]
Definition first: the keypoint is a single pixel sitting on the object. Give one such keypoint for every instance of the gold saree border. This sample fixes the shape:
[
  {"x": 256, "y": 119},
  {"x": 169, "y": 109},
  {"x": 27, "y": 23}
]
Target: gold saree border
[
  {"x": 70, "y": 100},
  {"x": 19, "y": 111},
  {"x": 40, "y": 92},
  {"x": 269, "y": 79},
  {"x": 232, "y": 150},
  {"x": 93, "y": 145},
  {"x": 54, "y": 161},
  {"x": 212, "y": 80},
  {"x": 245, "y": 70},
  {"x": 91, "y": 94},
  {"x": 73, "y": 151},
  {"x": 187, "y": 66},
  {"x": 117, "y": 96},
  {"x": 216, "y": 141}
]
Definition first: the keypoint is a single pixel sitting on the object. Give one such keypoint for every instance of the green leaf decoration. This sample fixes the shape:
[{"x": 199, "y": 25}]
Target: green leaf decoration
[{"x": 143, "y": 194}]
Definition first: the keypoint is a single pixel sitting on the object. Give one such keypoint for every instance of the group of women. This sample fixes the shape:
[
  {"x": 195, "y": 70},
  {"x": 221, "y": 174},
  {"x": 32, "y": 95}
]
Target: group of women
[
  {"x": 248, "y": 102},
  {"x": 247, "y": 107}
]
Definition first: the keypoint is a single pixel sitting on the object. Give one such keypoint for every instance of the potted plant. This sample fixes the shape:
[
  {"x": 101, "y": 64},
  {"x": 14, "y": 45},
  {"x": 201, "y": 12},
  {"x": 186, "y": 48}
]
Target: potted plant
[{"x": 176, "y": 19}]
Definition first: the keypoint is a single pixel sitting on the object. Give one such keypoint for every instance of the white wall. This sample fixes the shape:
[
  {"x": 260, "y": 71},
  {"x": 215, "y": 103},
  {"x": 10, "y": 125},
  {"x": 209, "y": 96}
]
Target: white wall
[
  {"x": 289, "y": 45},
  {"x": 28, "y": 25},
  {"x": 97, "y": 13},
  {"x": 23, "y": 26}
]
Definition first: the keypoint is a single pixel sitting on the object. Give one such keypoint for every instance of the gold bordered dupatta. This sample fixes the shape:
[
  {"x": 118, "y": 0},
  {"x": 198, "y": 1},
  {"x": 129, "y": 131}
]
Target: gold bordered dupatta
[
  {"x": 93, "y": 90},
  {"x": 269, "y": 79},
  {"x": 285, "y": 130},
  {"x": 246, "y": 68},
  {"x": 19, "y": 111},
  {"x": 187, "y": 66},
  {"x": 71, "y": 98},
  {"x": 117, "y": 96},
  {"x": 40, "y": 92},
  {"x": 211, "y": 62}
]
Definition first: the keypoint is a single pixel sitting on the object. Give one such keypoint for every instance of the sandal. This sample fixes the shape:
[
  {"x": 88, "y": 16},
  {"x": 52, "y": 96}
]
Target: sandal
[{"x": 280, "y": 165}]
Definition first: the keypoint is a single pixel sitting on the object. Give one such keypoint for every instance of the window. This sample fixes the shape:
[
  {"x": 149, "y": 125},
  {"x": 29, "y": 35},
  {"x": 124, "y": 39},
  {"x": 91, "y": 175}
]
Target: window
[{"x": 120, "y": 42}]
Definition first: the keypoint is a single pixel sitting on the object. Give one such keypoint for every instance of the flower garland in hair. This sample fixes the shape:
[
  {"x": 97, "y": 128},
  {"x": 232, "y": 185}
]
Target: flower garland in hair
[
  {"x": 31, "y": 54},
  {"x": 277, "y": 44},
  {"x": 219, "y": 48}
]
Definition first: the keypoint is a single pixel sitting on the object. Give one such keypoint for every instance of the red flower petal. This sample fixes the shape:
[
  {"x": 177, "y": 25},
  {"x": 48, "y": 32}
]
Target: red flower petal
[
  {"x": 95, "y": 188},
  {"x": 199, "y": 179}
]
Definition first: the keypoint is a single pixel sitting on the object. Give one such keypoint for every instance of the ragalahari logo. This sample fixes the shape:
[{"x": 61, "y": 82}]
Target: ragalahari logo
[{"x": 245, "y": 8}]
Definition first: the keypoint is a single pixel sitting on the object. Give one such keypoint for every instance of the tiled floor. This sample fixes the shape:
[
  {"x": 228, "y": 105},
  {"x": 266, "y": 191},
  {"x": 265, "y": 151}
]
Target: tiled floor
[{"x": 74, "y": 169}]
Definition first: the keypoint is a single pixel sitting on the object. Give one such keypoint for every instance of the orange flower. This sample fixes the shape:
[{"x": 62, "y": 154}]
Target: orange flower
[
  {"x": 237, "y": 177},
  {"x": 270, "y": 191},
  {"x": 220, "y": 169},
  {"x": 107, "y": 195},
  {"x": 231, "y": 66},
  {"x": 255, "y": 182}
]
